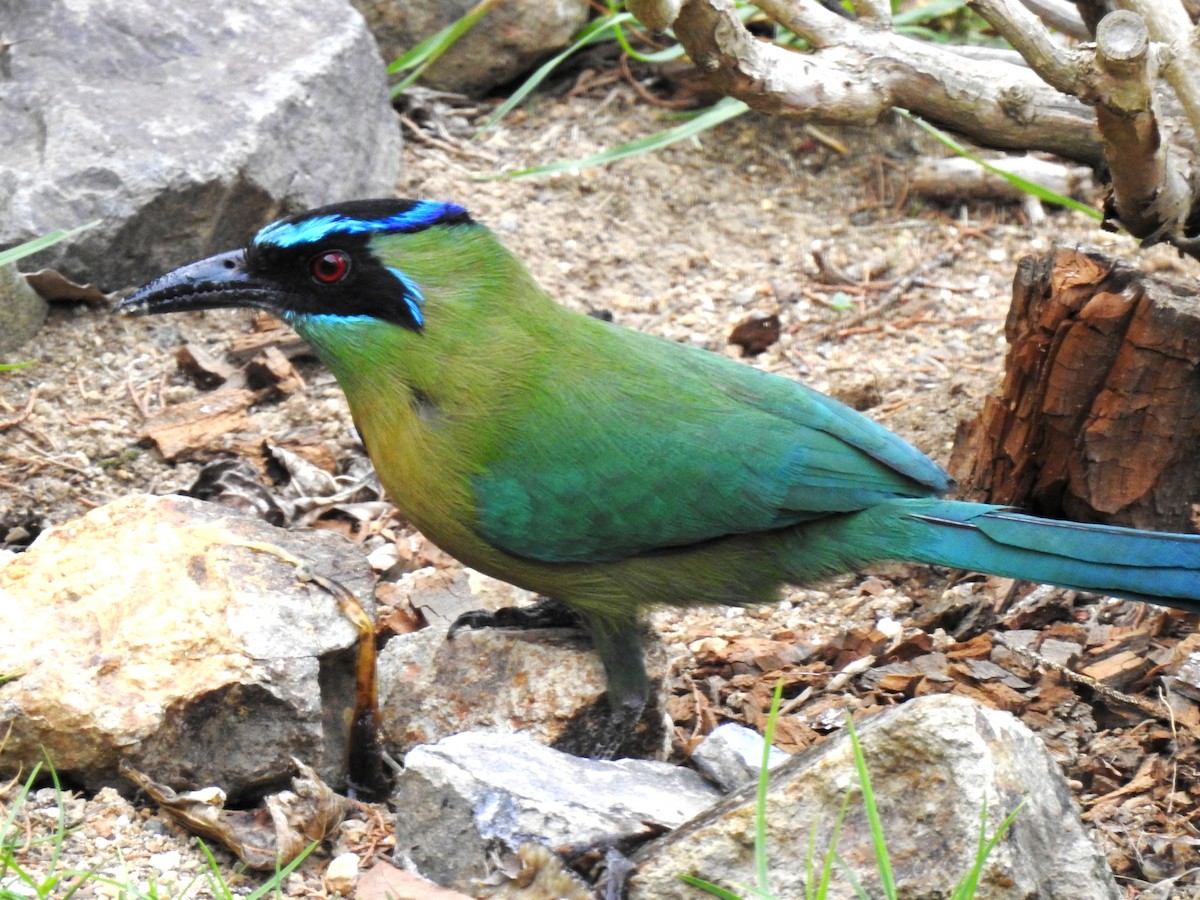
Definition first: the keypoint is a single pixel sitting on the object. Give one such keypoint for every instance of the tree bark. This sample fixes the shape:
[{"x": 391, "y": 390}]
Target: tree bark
[{"x": 1099, "y": 417}]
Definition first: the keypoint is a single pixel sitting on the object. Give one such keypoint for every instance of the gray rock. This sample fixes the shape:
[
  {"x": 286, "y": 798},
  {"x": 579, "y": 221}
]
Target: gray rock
[
  {"x": 506, "y": 43},
  {"x": 149, "y": 631},
  {"x": 548, "y": 684},
  {"x": 473, "y": 800},
  {"x": 22, "y": 311},
  {"x": 183, "y": 126},
  {"x": 934, "y": 763},
  {"x": 731, "y": 755}
]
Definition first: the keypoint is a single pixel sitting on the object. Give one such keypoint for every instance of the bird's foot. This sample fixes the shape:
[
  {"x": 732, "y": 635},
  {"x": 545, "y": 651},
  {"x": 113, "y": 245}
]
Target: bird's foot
[
  {"x": 545, "y": 613},
  {"x": 602, "y": 732},
  {"x": 622, "y": 721}
]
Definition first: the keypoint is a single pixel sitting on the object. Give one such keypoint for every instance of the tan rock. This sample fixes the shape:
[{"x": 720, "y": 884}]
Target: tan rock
[{"x": 151, "y": 630}]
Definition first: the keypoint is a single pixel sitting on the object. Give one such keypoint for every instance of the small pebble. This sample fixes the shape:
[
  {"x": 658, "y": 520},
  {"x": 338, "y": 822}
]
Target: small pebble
[
  {"x": 166, "y": 862},
  {"x": 342, "y": 874}
]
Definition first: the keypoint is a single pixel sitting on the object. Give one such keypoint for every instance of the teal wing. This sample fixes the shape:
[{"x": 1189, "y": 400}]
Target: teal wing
[{"x": 668, "y": 446}]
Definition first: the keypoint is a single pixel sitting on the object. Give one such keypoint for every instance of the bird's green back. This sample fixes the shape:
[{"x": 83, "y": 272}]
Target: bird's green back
[{"x": 568, "y": 439}]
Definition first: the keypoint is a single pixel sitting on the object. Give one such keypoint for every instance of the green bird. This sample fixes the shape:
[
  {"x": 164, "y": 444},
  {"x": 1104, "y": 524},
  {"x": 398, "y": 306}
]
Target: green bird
[{"x": 612, "y": 470}]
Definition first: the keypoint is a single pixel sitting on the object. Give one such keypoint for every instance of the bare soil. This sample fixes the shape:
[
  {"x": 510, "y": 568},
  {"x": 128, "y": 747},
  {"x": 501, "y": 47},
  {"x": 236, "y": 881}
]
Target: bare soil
[{"x": 686, "y": 243}]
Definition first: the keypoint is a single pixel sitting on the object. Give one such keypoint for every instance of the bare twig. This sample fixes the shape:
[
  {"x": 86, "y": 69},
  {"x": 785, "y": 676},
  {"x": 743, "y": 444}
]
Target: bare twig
[
  {"x": 956, "y": 178},
  {"x": 1061, "y": 16},
  {"x": 1059, "y": 67},
  {"x": 897, "y": 290},
  {"x": 445, "y": 144},
  {"x": 138, "y": 402},
  {"x": 23, "y": 414},
  {"x": 655, "y": 14},
  {"x": 879, "y": 11},
  {"x": 647, "y": 95},
  {"x": 1151, "y": 196},
  {"x": 1095, "y": 105}
]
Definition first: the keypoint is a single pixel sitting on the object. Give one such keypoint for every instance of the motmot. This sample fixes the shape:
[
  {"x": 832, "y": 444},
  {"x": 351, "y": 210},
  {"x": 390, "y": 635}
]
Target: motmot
[{"x": 608, "y": 469}]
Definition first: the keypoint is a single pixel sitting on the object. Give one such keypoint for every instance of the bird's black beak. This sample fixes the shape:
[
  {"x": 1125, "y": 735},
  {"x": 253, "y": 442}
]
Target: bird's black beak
[{"x": 218, "y": 282}]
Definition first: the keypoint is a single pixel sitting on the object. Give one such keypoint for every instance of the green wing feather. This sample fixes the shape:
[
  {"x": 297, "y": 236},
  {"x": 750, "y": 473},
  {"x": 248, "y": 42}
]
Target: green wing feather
[{"x": 704, "y": 447}]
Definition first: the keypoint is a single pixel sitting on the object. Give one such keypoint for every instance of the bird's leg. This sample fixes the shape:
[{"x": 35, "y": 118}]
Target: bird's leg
[
  {"x": 545, "y": 613},
  {"x": 619, "y": 646},
  {"x": 620, "y": 650}
]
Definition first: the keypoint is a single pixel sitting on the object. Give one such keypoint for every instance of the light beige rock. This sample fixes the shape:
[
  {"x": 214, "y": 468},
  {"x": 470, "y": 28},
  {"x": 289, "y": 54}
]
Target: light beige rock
[
  {"x": 934, "y": 763},
  {"x": 148, "y": 630}
]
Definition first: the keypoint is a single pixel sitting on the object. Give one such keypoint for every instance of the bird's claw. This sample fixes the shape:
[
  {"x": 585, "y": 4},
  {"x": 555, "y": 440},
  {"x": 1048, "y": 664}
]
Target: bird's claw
[{"x": 545, "y": 613}]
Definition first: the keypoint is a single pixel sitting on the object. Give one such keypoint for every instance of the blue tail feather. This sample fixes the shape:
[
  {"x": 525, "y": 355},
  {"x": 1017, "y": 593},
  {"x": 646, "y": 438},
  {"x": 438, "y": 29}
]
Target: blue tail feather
[{"x": 1156, "y": 567}]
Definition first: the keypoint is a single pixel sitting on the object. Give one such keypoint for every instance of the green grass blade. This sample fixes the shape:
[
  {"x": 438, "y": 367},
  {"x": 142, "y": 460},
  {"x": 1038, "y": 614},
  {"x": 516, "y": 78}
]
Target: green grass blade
[
  {"x": 15, "y": 807},
  {"x": 275, "y": 883},
  {"x": 831, "y": 853},
  {"x": 1021, "y": 184},
  {"x": 417, "y": 60},
  {"x": 923, "y": 33},
  {"x": 745, "y": 12},
  {"x": 809, "y": 856},
  {"x": 930, "y": 12},
  {"x": 220, "y": 887},
  {"x": 882, "y": 862},
  {"x": 675, "y": 51},
  {"x": 742, "y": 893},
  {"x": 60, "y": 824},
  {"x": 216, "y": 881},
  {"x": 848, "y": 874},
  {"x": 722, "y": 111},
  {"x": 12, "y": 254},
  {"x": 969, "y": 884},
  {"x": 707, "y": 886},
  {"x": 762, "y": 865},
  {"x": 594, "y": 31}
]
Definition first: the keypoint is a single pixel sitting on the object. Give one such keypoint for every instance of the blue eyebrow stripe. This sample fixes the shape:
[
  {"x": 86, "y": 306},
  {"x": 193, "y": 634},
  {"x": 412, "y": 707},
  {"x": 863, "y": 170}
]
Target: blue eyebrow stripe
[{"x": 422, "y": 214}]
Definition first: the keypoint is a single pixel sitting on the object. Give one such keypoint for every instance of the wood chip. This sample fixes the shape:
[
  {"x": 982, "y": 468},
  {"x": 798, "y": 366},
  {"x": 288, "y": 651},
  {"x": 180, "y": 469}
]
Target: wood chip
[
  {"x": 272, "y": 370},
  {"x": 190, "y": 428},
  {"x": 205, "y": 370}
]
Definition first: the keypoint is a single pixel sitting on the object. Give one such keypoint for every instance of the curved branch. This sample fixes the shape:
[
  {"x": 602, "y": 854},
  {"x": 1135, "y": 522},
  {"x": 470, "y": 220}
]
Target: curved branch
[
  {"x": 1059, "y": 67},
  {"x": 859, "y": 70},
  {"x": 1060, "y": 15}
]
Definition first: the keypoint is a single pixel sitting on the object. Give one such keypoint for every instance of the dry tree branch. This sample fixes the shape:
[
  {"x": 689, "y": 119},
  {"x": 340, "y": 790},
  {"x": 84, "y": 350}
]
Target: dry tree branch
[
  {"x": 1170, "y": 26},
  {"x": 1151, "y": 197},
  {"x": 1091, "y": 104},
  {"x": 858, "y": 70},
  {"x": 1060, "y": 15},
  {"x": 1149, "y": 194}
]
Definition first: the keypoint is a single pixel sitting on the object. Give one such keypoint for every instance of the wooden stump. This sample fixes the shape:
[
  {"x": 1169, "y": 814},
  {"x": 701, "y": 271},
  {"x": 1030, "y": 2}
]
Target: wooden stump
[{"x": 1100, "y": 415}]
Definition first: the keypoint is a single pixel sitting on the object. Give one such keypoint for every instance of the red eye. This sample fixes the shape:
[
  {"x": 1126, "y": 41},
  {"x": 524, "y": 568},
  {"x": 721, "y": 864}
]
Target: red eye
[{"x": 329, "y": 267}]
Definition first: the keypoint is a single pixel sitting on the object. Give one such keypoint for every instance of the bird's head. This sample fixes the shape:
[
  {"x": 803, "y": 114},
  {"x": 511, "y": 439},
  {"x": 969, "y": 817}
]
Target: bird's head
[{"x": 345, "y": 262}]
